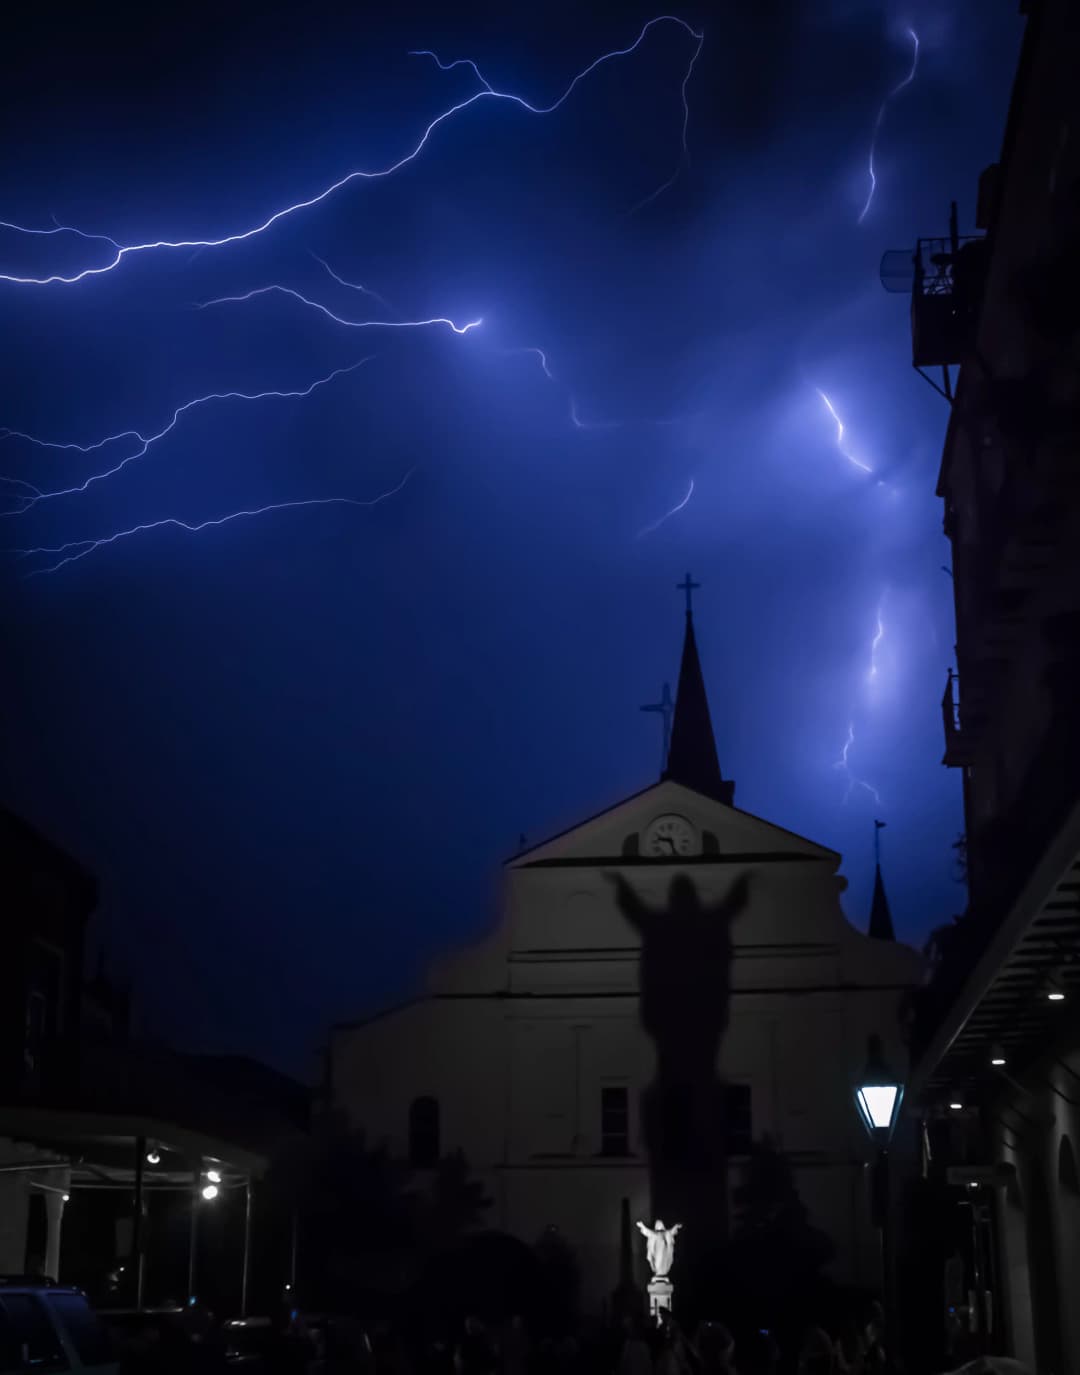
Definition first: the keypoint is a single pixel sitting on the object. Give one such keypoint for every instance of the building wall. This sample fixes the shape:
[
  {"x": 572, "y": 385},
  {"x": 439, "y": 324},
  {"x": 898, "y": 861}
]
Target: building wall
[
  {"x": 1012, "y": 443},
  {"x": 1013, "y": 513},
  {"x": 1039, "y": 1214},
  {"x": 518, "y": 1038}
]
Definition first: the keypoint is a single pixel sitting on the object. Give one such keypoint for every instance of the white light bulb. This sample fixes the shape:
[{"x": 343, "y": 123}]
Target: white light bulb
[
  {"x": 210, "y": 1191},
  {"x": 214, "y": 1176}
]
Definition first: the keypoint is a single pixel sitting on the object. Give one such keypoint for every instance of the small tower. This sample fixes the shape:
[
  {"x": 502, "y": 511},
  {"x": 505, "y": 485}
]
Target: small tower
[
  {"x": 692, "y": 758},
  {"x": 880, "y": 927}
]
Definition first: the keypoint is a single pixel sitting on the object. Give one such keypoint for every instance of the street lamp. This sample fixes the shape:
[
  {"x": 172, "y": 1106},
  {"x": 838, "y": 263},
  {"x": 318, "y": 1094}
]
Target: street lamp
[{"x": 878, "y": 1096}]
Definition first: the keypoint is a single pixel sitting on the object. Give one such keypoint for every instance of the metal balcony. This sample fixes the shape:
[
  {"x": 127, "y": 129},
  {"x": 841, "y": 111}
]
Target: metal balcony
[{"x": 959, "y": 743}]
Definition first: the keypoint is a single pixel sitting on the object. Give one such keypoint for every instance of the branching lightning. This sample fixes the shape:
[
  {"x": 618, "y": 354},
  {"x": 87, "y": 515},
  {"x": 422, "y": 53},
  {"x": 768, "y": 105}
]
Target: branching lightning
[
  {"x": 656, "y": 524},
  {"x": 685, "y": 157},
  {"x": 353, "y": 286},
  {"x": 86, "y": 547},
  {"x": 840, "y": 441},
  {"x": 844, "y": 765},
  {"x": 880, "y": 117},
  {"x": 145, "y": 442},
  {"x": 486, "y": 93},
  {"x": 275, "y": 287}
]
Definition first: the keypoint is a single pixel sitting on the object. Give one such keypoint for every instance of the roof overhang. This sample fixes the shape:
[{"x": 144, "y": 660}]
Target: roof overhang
[
  {"x": 108, "y": 1141},
  {"x": 1002, "y": 1000}
]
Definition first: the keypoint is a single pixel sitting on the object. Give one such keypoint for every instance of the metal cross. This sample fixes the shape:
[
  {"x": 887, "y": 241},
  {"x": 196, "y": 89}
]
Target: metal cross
[
  {"x": 689, "y": 586},
  {"x": 666, "y": 708}
]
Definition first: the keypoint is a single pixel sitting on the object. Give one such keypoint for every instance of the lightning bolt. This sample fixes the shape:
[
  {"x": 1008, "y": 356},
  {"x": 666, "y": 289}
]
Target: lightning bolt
[
  {"x": 668, "y": 514},
  {"x": 576, "y": 419},
  {"x": 875, "y": 644},
  {"x": 353, "y": 286},
  {"x": 881, "y": 115},
  {"x": 275, "y": 287},
  {"x": 487, "y": 92},
  {"x": 684, "y": 160},
  {"x": 840, "y": 444},
  {"x": 86, "y": 547},
  {"x": 146, "y": 442},
  {"x": 844, "y": 766}
]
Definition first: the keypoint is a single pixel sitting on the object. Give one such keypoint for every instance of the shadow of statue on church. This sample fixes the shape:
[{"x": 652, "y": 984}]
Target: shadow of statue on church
[{"x": 685, "y": 995}]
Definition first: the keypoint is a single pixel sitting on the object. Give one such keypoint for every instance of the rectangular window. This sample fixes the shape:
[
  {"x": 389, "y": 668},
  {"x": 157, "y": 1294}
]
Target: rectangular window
[
  {"x": 615, "y": 1120},
  {"x": 738, "y": 1119}
]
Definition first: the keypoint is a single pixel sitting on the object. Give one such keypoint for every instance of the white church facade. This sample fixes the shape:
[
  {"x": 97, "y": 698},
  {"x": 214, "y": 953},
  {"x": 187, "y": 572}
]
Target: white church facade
[{"x": 671, "y": 939}]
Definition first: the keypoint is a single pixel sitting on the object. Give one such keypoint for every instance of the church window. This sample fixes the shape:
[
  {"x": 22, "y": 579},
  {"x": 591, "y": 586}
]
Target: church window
[
  {"x": 615, "y": 1120},
  {"x": 738, "y": 1119},
  {"x": 424, "y": 1145}
]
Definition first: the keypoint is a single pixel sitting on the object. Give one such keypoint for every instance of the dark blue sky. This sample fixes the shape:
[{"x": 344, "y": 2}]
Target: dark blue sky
[{"x": 295, "y": 748}]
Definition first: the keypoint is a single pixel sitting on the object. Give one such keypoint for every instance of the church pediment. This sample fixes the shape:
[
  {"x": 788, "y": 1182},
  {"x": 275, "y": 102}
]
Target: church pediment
[{"x": 673, "y": 822}]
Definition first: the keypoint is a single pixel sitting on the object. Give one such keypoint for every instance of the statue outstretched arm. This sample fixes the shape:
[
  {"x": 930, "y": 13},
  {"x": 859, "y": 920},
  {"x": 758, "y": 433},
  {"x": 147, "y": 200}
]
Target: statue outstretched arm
[
  {"x": 630, "y": 905},
  {"x": 645, "y": 1231},
  {"x": 674, "y": 1231}
]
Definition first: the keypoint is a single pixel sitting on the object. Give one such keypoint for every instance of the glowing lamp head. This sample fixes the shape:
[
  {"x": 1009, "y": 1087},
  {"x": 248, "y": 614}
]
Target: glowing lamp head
[
  {"x": 65, "y": 1198},
  {"x": 214, "y": 1176},
  {"x": 153, "y": 1156},
  {"x": 210, "y": 1192},
  {"x": 956, "y": 1107},
  {"x": 997, "y": 1056},
  {"x": 878, "y": 1094}
]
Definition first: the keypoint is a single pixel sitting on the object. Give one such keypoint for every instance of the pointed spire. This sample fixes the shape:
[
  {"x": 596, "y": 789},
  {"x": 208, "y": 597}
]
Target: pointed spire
[
  {"x": 692, "y": 758},
  {"x": 881, "y": 927}
]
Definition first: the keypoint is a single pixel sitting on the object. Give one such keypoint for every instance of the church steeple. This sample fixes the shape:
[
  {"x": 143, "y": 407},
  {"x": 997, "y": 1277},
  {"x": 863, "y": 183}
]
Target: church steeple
[
  {"x": 881, "y": 927},
  {"x": 692, "y": 758}
]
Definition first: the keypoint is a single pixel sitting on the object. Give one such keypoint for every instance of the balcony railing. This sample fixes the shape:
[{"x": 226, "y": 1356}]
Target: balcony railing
[
  {"x": 959, "y": 745},
  {"x": 947, "y": 290}
]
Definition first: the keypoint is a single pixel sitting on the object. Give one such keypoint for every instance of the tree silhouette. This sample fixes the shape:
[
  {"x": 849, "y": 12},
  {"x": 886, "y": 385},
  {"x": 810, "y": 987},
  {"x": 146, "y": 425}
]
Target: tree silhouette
[
  {"x": 771, "y": 1272},
  {"x": 363, "y": 1220}
]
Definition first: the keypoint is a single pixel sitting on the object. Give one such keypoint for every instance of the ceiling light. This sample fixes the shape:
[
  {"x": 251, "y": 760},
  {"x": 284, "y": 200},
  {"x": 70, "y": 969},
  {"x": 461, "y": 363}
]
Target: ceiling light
[{"x": 956, "y": 1107}]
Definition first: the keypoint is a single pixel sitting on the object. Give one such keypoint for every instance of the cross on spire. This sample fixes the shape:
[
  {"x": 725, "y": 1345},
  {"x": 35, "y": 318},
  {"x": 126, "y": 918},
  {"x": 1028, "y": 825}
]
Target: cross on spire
[
  {"x": 666, "y": 708},
  {"x": 689, "y": 587}
]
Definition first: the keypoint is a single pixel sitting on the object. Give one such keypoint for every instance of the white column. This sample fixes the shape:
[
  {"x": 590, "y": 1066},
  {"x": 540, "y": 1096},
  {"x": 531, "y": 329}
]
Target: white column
[
  {"x": 14, "y": 1210},
  {"x": 59, "y": 1183}
]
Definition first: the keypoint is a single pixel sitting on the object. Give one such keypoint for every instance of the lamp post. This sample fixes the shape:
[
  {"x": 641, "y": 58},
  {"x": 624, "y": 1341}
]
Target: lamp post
[{"x": 878, "y": 1096}]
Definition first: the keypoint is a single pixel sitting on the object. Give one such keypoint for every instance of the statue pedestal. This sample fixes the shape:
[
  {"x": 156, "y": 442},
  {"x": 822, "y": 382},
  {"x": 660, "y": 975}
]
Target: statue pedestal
[{"x": 660, "y": 1293}]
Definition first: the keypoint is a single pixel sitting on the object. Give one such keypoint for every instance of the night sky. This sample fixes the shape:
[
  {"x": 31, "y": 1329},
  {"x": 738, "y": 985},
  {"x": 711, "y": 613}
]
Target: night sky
[{"x": 295, "y": 747}]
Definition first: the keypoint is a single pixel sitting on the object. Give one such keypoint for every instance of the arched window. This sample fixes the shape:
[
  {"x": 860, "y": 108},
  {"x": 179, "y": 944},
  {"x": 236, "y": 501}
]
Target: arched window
[{"x": 424, "y": 1147}]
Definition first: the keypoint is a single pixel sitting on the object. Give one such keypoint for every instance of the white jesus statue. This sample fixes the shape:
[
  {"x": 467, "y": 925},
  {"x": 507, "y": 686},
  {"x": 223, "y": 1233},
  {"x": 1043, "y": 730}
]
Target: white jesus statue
[{"x": 660, "y": 1246}]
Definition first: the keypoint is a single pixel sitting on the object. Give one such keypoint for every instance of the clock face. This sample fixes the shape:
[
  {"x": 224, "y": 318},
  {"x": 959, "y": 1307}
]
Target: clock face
[{"x": 669, "y": 836}]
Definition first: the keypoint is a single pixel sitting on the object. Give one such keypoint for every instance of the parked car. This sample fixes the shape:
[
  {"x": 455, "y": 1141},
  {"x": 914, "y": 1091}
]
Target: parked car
[
  {"x": 248, "y": 1343},
  {"x": 51, "y": 1327}
]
